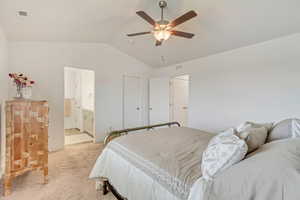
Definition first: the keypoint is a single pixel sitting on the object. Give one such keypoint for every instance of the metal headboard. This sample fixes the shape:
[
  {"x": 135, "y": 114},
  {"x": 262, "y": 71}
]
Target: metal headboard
[{"x": 115, "y": 134}]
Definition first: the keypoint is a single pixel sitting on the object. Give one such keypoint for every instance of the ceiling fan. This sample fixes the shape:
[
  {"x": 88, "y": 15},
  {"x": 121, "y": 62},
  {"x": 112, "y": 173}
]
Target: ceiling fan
[{"x": 163, "y": 29}]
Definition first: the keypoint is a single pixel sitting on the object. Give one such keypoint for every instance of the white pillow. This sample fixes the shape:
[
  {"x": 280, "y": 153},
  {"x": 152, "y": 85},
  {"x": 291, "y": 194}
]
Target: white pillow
[
  {"x": 284, "y": 129},
  {"x": 254, "y": 137},
  {"x": 295, "y": 128},
  {"x": 223, "y": 151}
]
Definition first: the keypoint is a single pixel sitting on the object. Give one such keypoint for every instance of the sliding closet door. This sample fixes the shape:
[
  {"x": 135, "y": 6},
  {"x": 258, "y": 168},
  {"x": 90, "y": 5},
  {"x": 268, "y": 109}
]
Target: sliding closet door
[
  {"x": 159, "y": 100},
  {"x": 132, "y": 116}
]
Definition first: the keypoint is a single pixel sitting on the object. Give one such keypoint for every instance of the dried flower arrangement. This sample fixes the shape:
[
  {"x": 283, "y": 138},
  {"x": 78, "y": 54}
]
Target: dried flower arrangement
[{"x": 21, "y": 82}]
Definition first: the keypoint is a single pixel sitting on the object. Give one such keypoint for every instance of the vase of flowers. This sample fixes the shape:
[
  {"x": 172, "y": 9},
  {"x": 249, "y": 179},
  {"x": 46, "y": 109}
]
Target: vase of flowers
[{"x": 23, "y": 85}]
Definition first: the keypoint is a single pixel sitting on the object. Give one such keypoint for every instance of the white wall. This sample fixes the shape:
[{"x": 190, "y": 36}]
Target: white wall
[
  {"x": 259, "y": 83},
  {"x": 3, "y": 91},
  {"x": 45, "y": 62},
  {"x": 3, "y": 66}
]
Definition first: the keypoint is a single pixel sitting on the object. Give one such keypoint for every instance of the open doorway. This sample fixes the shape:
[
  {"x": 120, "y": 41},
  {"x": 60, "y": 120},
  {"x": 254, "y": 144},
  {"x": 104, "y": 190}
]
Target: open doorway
[
  {"x": 79, "y": 105},
  {"x": 179, "y": 99}
]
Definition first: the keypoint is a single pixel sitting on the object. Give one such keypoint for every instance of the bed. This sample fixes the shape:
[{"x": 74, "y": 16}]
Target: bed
[{"x": 164, "y": 164}]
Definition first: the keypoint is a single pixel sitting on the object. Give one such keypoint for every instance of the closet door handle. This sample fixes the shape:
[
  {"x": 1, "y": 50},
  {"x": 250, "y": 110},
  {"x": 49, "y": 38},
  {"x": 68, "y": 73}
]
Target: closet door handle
[{"x": 138, "y": 108}]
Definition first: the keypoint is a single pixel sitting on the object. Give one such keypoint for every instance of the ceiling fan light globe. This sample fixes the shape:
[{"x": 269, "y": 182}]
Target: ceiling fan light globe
[{"x": 162, "y": 35}]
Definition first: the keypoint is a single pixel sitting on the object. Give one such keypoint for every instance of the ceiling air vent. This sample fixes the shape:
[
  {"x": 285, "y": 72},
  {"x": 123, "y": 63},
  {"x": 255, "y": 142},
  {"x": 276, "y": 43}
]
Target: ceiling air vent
[{"x": 22, "y": 13}]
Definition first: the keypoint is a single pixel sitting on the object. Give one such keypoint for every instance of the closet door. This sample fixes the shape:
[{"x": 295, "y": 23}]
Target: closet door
[
  {"x": 132, "y": 102},
  {"x": 159, "y": 100},
  {"x": 180, "y": 100}
]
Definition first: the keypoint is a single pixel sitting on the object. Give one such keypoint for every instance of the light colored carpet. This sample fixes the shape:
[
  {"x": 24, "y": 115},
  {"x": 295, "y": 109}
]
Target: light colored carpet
[{"x": 68, "y": 177}]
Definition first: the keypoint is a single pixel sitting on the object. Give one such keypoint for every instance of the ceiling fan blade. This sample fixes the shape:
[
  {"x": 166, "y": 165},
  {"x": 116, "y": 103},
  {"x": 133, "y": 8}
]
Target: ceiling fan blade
[
  {"x": 158, "y": 43},
  {"x": 183, "y": 34},
  {"x": 146, "y": 17},
  {"x": 187, "y": 16},
  {"x": 136, "y": 34}
]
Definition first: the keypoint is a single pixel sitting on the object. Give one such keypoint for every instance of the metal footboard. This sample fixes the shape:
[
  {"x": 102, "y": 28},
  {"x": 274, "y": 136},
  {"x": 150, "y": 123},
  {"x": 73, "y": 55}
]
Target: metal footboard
[
  {"x": 106, "y": 187},
  {"x": 115, "y": 134}
]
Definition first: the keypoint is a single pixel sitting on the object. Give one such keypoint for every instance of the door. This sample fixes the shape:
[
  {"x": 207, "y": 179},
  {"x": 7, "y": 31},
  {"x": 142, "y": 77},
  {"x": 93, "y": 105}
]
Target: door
[
  {"x": 179, "y": 100},
  {"x": 159, "y": 100},
  {"x": 132, "y": 102}
]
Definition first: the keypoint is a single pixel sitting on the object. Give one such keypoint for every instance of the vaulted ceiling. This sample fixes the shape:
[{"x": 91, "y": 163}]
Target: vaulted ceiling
[{"x": 221, "y": 25}]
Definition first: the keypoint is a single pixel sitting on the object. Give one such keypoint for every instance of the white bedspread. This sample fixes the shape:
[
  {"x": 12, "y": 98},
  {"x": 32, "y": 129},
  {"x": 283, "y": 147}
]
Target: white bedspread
[
  {"x": 161, "y": 164},
  {"x": 270, "y": 173}
]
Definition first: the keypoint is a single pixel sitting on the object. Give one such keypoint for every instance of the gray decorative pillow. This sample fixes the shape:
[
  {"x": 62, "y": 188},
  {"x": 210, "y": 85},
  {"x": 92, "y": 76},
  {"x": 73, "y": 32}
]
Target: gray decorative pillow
[
  {"x": 254, "y": 137},
  {"x": 254, "y": 134},
  {"x": 247, "y": 125},
  {"x": 282, "y": 130}
]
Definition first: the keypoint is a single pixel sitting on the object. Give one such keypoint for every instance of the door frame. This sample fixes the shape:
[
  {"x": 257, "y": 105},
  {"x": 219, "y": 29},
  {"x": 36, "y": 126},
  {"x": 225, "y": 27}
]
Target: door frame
[
  {"x": 94, "y": 105},
  {"x": 123, "y": 98}
]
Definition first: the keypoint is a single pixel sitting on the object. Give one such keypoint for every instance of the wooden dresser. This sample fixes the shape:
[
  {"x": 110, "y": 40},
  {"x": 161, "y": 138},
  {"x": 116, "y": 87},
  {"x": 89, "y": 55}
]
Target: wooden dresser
[{"x": 26, "y": 145}]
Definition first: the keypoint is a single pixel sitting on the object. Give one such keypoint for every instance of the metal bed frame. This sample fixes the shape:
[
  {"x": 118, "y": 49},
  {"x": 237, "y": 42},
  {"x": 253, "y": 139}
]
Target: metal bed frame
[
  {"x": 106, "y": 187},
  {"x": 115, "y": 134}
]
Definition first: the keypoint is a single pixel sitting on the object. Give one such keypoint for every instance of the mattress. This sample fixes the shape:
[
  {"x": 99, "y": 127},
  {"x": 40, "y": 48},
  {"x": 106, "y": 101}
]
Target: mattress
[{"x": 157, "y": 164}]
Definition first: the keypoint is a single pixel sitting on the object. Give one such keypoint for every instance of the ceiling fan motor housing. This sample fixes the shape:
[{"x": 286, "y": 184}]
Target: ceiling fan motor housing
[{"x": 163, "y": 22}]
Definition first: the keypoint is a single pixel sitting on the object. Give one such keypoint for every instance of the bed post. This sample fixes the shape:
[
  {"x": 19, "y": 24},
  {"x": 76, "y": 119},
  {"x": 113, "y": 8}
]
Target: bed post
[{"x": 105, "y": 187}]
